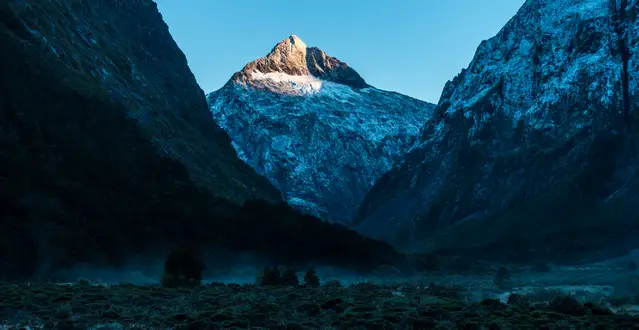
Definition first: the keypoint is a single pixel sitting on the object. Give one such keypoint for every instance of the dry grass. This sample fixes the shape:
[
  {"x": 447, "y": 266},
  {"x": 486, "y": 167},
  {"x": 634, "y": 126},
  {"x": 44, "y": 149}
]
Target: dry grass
[{"x": 244, "y": 306}]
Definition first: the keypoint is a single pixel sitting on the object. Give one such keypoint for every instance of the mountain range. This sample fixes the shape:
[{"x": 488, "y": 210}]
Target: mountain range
[
  {"x": 531, "y": 150},
  {"x": 109, "y": 149},
  {"x": 108, "y": 152},
  {"x": 313, "y": 126},
  {"x": 529, "y": 153}
]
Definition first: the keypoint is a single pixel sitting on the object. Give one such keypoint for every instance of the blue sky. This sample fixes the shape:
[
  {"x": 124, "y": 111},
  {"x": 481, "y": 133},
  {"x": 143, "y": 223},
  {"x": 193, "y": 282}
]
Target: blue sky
[{"x": 409, "y": 46}]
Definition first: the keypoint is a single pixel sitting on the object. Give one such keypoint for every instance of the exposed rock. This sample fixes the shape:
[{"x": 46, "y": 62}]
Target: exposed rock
[
  {"x": 293, "y": 57},
  {"x": 531, "y": 151},
  {"x": 314, "y": 128}
]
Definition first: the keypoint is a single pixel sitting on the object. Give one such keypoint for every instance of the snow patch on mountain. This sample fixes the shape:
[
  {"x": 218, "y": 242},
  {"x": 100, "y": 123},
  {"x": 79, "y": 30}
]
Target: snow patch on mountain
[
  {"x": 280, "y": 82},
  {"x": 314, "y": 128}
]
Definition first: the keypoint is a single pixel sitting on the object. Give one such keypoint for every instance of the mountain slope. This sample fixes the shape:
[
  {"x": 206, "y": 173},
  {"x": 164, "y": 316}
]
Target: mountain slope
[
  {"x": 126, "y": 47},
  {"x": 81, "y": 182},
  {"x": 531, "y": 151},
  {"x": 315, "y": 128}
]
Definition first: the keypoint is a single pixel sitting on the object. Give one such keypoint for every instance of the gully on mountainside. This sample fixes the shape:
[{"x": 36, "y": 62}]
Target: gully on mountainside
[{"x": 619, "y": 11}]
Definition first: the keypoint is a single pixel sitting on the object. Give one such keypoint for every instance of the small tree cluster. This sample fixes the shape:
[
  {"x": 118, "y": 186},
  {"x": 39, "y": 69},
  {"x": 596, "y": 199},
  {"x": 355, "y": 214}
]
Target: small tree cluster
[
  {"x": 289, "y": 277},
  {"x": 311, "y": 279},
  {"x": 183, "y": 268},
  {"x": 273, "y": 276}
]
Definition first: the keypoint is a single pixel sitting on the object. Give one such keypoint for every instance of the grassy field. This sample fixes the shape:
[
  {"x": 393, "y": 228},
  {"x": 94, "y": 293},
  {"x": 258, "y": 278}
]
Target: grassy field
[{"x": 227, "y": 306}]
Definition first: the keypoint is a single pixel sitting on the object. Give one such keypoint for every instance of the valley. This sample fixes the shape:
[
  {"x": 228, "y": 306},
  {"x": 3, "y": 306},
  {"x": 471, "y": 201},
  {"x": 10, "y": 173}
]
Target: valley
[{"x": 509, "y": 204}]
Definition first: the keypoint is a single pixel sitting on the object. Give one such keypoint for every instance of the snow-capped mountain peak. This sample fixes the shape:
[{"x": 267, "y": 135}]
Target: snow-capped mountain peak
[
  {"x": 311, "y": 125},
  {"x": 294, "y": 68}
]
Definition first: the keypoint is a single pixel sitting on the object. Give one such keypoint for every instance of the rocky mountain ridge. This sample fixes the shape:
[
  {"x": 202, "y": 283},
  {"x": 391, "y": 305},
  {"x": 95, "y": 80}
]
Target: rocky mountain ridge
[
  {"x": 315, "y": 128},
  {"x": 531, "y": 151},
  {"x": 293, "y": 57}
]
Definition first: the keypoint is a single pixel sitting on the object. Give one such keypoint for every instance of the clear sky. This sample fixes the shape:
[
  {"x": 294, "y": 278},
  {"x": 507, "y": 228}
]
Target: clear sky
[{"x": 409, "y": 46}]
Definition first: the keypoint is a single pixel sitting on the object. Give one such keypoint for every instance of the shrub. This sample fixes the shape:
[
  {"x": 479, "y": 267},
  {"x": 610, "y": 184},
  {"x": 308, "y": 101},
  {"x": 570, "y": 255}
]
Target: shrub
[
  {"x": 311, "y": 279},
  {"x": 289, "y": 277},
  {"x": 183, "y": 268},
  {"x": 441, "y": 291},
  {"x": 518, "y": 300},
  {"x": 333, "y": 283},
  {"x": 271, "y": 276},
  {"x": 567, "y": 305}
]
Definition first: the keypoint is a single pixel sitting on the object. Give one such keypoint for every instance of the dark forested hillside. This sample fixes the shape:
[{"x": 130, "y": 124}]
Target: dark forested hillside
[
  {"x": 126, "y": 48},
  {"x": 80, "y": 181}
]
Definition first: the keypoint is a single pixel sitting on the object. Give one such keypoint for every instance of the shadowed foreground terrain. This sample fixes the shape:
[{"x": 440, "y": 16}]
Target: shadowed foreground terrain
[
  {"x": 233, "y": 306},
  {"x": 591, "y": 296}
]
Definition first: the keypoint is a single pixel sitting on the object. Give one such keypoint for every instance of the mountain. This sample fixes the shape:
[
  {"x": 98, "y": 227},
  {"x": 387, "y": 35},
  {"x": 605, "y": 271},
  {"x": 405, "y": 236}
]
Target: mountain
[
  {"x": 312, "y": 125},
  {"x": 146, "y": 71},
  {"x": 532, "y": 149},
  {"x": 104, "y": 138}
]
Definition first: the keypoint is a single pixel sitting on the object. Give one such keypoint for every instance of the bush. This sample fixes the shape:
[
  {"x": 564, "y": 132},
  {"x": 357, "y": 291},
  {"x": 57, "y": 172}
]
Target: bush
[
  {"x": 311, "y": 279},
  {"x": 518, "y": 300},
  {"x": 335, "y": 283},
  {"x": 183, "y": 268},
  {"x": 271, "y": 277},
  {"x": 567, "y": 305},
  {"x": 289, "y": 277},
  {"x": 441, "y": 291}
]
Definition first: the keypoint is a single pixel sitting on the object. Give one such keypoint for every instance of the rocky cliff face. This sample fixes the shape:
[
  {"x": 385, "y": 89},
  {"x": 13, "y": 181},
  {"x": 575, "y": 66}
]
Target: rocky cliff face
[
  {"x": 126, "y": 47},
  {"x": 291, "y": 56},
  {"x": 531, "y": 151},
  {"x": 315, "y": 128},
  {"x": 81, "y": 182}
]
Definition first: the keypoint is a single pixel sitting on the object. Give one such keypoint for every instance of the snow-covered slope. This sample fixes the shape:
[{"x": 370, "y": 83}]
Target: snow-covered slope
[
  {"x": 314, "y": 128},
  {"x": 531, "y": 149}
]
